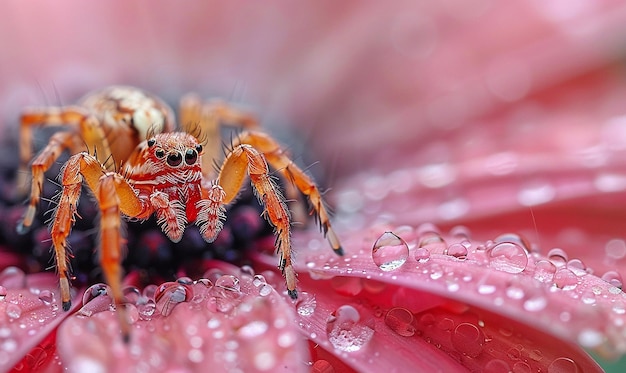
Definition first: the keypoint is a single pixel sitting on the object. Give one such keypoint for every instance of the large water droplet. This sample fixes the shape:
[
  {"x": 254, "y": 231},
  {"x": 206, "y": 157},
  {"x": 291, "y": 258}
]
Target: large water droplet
[
  {"x": 457, "y": 250},
  {"x": 345, "y": 330},
  {"x": 13, "y": 278},
  {"x": 390, "y": 252},
  {"x": 508, "y": 257},
  {"x": 95, "y": 291},
  {"x": 400, "y": 320},
  {"x": 169, "y": 294},
  {"x": 565, "y": 279},
  {"x": 613, "y": 278},
  {"x": 47, "y": 297},
  {"x": 514, "y": 238},
  {"x": 468, "y": 339},
  {"x": 563, "y": 365},
  {"x": 422, "y": 255},
  {"x": 227, "y": 293},
  {"x": 544, "y": 271},
  {"x": 558, "y": 257}
]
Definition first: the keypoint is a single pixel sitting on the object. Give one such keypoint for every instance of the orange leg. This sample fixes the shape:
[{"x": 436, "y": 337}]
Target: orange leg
[
  {"x": 59, "y": 142},
  {"x": 242, "y": 160},
  {"x": 76, "y": 118},
  {"x": 115, "y": 196},
  {"x": 277, "y": 158}
]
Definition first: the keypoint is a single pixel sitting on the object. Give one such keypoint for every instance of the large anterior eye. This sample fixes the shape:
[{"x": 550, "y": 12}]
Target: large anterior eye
[
  {"x": 191, "y": 156},
  {"x": 174, "y": 159}
]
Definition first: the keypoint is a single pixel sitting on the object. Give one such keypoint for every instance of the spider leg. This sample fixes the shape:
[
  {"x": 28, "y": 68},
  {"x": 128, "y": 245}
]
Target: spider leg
[
  {"x": 277, "y": 158},
  {"x": 242, "y": 160},
  {"x": 115, "y": 196}
]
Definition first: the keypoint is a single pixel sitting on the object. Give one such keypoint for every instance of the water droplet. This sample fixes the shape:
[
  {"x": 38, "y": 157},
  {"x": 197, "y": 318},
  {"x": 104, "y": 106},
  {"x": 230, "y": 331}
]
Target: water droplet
[
  {"x": 565, "y": 279},
  {"x": 227, "y": 293},
  {"x": 258, "y": 280},
  {"x": 13, "y": 278},
  {"x": 400, "y": 320},
  {"x": 461, "y": 231},
  {"x": 577, "y": 266},
  {"x": 422, "y": 255},
  {"x": 346, "y": 332},
  {"x": 146, "y": 310},
  {"x": 514, "y": 238},
  {"x": 615, "y": 249},
  {"x": 521, "y": 367},
  {"x": 201, "y": 288},
  {"x": 563, "y": 365},
  {"x": 184, "y": 280},
  {"x": 131, "y": 294},
  {"x": 390, "y": 252},
  {"x": 496, "y": 366},
  {"x": 588, "y": 297},
  {"x": 149, "y": 291},
  {"x": 253, "y": 329},
  {"x": 613, "y": 278},
  {"x": 468, "y": 339},
  {"x": 13, "y": 311},
  {"x": 306, "y": 304},
  {"x": 590, "y": 338},
  {"x": 536, "y": 194},
  {"x": 457, "y": 250},
  {"x": 169, "y": 294},
  {"x": 3, "y": 292},
  {"x": 535, "y": 303},
  {"x": 514, "y": 292},
  {"x": 247, "y": 270},
  {"x": 544, "y": 271},
  {"x": 558, "y": 257},
  {"x": 508, "y": 257},
  {"x": 94, "y": 291},
  {"x": 322, "y": 366},
  {"x": 433, "y": 242},
  {"x": 47, "y": 297}
]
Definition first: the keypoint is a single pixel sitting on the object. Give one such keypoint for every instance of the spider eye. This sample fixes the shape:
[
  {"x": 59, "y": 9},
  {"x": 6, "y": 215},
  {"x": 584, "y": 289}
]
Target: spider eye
[
  {"x": 151, "y": 142},
  {"x": 199, "y": 148},
  {"x": 174, "y": 159},
  {"x": 191, "y": 156},
  {"x": 159, "y": 153}
]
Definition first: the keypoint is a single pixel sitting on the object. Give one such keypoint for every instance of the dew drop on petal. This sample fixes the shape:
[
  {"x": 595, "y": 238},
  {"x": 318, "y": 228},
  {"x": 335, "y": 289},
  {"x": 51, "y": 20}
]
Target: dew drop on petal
[
  {"x": 400, "y": 320},
  {"x": 613, "y": 278},
  {"x": 345, "y": 330},
  {"x": 13, "y": 311},
  {"x": 169, "y": 294},
  {"x": 615, "y": 249},
  {"x": 508, "y": 257},
  {"x": 433, "y": 242},
  {"x": 535, "y": 303},
  {"x": 565, "y": 279},
  {"x": 563, "y": 365},
  {"x": 253, "y": 329},
  {"x": 558, "y": 257},
  {"x": 421, "y": 254},
  {"x": 146, "y": 310},
  {"x": 3, "y": 292},
  {"x": 131, "y": 294},
  {"x": 94, "y": 291},
  {"x": 226, "y": 292},
  {"x": 468, "y": 339},
  {"x": 13, "y": 278},
  {"x": 228, "y": 282},
  {"x": 47, "y": 297},
  {"x": 514, "y": 238},
  {"x": 544, "y": 271},
  {"x": 496, "y": 366},
  {"x": 306, "y": 304},
  {"x": 457, "y": 250},
  {"x": 390, "y": 252},
  {"x": 322, "y": 366}
]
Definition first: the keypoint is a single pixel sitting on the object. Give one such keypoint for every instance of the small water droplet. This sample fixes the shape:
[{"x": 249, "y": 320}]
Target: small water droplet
[
  {"x": 468, "y": 339},
  {"x": 390, "y": 252},
  {"x": 544, "y": 271},
  {"x": 146, "y": 310},
  {"x": 514, "y": 292},
  {"x": 613, "y": 278},
  {"x": 13, "y": 278},
  {"x": 258, "y": 280},
  {"x": 508, "y": 257},
  {"x": 558, "y": 257},
  {"x": 227, "y": 293},
  {"x": 565, "y": 279},
  {"x": 588, "y": 297},
  {"x": 94, "y": 291},
  {"x": 433, "y": 242},
  {"x": 3, "y": 292},
  {"x": 47, "y": 297},
  {"x": 13, "y": 311},
  {"x": 345, "y": 330},
  {"x": 400, "y": 320},
  {"x": 457, "y": 250},
  {"x": 535, "y": 303},
  {"x": 306, "y": 304},
  {"x": 253, "y": 329},
  {"x": 184, "y": 280},
  {"x": 131, "y": 294},
  {"x": 461, "y": 231},
  {"x": 422, "y": 255},
  {"x": 563, "y": 365},
  {"x": 247, "y": 270},
  {"x": 169, "y": 294},
  {"x": 496, "y": 366}
]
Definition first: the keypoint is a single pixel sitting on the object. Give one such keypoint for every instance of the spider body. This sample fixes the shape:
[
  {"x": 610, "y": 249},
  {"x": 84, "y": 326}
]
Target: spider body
[{"x": 124, "y": 149}]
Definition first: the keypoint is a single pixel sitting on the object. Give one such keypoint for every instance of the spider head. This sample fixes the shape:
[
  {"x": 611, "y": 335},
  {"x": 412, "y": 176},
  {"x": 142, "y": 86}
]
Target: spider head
[{"x": 176, "y": 150}]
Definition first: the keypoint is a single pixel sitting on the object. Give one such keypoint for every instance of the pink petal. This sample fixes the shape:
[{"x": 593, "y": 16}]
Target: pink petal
[{"x": 248, "y": 327}]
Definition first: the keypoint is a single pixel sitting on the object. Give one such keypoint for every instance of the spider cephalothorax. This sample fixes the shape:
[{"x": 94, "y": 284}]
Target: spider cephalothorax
[{"x": 138, "y": 166}]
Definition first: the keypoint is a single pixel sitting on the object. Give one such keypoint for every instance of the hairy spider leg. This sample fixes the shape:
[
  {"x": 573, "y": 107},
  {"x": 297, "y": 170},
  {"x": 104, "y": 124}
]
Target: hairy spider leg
[
  {"x": 115, "y": 197},
  {"x": 87, "y": 135},
  {"x": 279, "y": 160},
  {"x": 245, "y": 159}
]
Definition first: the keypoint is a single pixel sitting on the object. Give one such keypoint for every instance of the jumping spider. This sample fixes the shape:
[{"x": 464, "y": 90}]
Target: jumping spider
[{"x": 124, "y": 146}]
